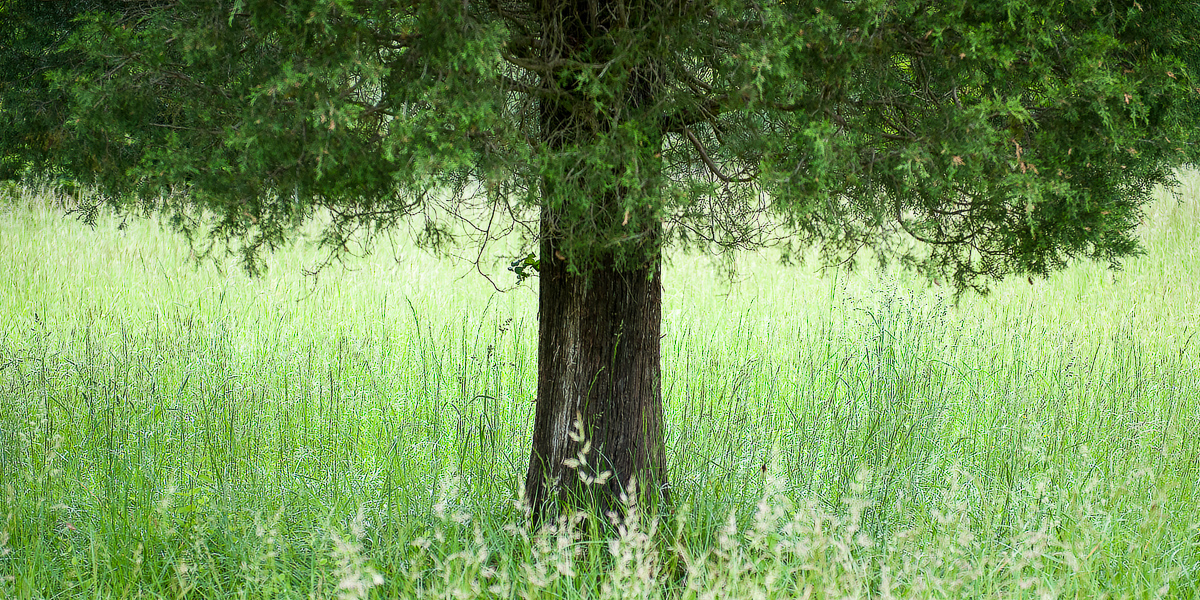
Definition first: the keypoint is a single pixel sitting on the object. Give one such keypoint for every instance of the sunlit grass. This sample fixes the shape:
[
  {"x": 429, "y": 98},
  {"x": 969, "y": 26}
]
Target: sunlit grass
[{"x": 174, "y": 430}]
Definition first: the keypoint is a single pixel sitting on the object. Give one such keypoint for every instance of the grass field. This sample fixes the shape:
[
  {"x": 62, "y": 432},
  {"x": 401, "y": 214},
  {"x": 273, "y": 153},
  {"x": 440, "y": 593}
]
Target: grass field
[{"x": 169, "y": 430}]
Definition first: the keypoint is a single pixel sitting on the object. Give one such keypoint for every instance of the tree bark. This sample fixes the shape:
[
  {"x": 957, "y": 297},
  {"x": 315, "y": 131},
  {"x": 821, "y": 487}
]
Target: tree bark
[{"x": 599, "y": 368}]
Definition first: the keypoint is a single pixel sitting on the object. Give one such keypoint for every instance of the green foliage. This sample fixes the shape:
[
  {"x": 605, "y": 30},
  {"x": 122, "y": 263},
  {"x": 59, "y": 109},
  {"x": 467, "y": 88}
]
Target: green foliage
[
  {"x": 33, "y": 111},
  {"x": 525, "y": 267},
  {"x": 1008, "y": 136}
]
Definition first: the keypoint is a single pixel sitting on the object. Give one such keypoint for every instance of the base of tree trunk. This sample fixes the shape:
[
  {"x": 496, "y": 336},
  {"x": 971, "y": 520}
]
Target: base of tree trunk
[{"x": 598, "y": 429}]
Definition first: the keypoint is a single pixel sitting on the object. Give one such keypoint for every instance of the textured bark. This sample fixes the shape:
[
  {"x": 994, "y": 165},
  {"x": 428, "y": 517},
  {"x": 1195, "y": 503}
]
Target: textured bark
[{"x": 599, "y": 362}]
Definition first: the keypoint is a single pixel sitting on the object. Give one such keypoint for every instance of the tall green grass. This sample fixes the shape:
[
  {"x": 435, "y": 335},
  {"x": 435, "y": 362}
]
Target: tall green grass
[{"x": 169, "y": 429}]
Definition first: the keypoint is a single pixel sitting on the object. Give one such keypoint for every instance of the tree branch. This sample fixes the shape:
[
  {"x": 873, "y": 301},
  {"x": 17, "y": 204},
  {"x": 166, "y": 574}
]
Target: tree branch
[
  {"x": 708, "y": 161},
  {"x": 681, "y": 121}
]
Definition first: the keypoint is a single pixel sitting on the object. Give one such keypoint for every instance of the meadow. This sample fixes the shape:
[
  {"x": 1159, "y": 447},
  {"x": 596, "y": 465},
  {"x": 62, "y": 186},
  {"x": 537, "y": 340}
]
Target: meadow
[{"x": 174, "y": 429}]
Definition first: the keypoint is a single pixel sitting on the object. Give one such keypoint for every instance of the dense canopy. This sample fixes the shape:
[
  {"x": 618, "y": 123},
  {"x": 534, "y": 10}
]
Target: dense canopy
[{"x": 1009, "y": 135}]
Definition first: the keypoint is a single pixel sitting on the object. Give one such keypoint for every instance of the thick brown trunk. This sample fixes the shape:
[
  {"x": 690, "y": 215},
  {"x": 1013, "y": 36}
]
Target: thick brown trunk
[
  {"x": 598, "y": 342},
  {"x": 598, "y": 363}
]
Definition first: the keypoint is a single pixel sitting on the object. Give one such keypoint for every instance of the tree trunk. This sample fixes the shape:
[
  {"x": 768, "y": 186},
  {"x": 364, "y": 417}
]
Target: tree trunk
[
  {"x": 599, "y": 401},
  {"x": 598, "y": 368}
]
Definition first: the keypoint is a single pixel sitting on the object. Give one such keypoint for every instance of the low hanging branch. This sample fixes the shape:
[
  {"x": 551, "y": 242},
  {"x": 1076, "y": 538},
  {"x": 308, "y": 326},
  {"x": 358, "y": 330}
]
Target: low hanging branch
[{"x": 712, "y": 167}]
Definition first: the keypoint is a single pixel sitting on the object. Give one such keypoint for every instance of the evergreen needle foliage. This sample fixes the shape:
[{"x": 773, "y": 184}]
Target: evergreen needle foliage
[{"x": 1010, "y": 135}]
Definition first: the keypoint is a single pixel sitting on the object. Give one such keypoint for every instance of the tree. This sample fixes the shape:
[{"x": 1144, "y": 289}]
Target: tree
[
  {"x": 31, "y": 37},
  {"x": 968, "y": 139}
]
